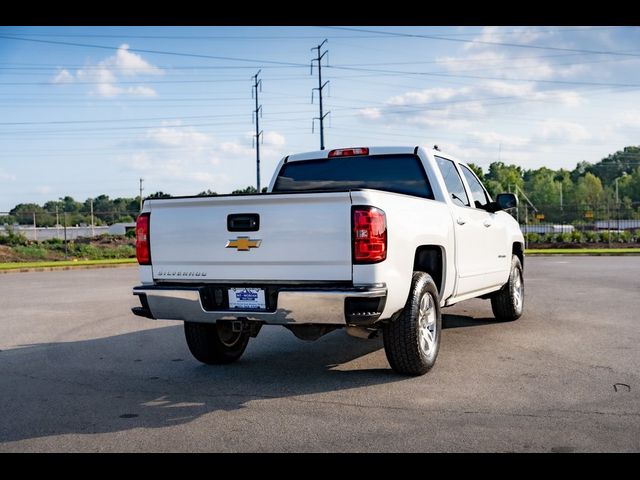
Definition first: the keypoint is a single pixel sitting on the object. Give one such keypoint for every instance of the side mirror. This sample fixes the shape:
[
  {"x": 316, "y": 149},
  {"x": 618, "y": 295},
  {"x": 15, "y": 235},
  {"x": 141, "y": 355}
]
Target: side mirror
[{"x": 505, "y": 201}]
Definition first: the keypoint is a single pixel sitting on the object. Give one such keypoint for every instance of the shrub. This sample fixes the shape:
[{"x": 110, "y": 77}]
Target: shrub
[
  {"x": 591, "y": 237},
  {"x": 604, "y": 237},
  {"x": 12, "y": 238},
  {"x": 563, "y": 237},
  {"x": 131, "y": 233},
  {"x": 625, "y": 236},
  {"x": 31, "y": 252},
  {"x": 549, "y": 237},
  {"x": 54, "y": 241},
  {"x": 576, "y": 236},
  {"x": 533, "y": 237}
]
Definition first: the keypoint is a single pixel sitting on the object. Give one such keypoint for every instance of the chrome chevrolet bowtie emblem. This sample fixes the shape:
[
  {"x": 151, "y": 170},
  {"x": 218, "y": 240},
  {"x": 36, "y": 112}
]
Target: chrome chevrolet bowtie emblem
[{"x": 243, "y": 244}]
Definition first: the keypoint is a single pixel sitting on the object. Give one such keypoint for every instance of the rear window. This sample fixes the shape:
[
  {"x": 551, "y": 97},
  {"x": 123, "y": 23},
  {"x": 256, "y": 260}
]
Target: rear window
[{"x": 391, "y": 173}]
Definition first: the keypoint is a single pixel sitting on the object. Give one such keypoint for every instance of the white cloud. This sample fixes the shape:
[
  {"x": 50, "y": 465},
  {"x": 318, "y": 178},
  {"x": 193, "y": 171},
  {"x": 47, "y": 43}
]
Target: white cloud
[
  {"x": 274, "y": 139},
  {"x": 130, "y": 63},
  {"x": 170, "y": 136},
  {"x": 370, "y": 113},
  {"x": 44, "y": 189},
  {"x": 142, "y": 91},
  {"x": 192, "y": 160},
  {"x": 629, "y": 119},
  {"x": 5, "y": 176},
  {"x": 496, "y": 35},
  {"x": 455, "y": 108},
  {"x": 427, "y": 96},
  {"x": 63, "y": 76},
  {"x": 104, "y": 75},
  {"x": 494, "y": 138},
  {"x": 485, "y": 59},
  {"x": 558, "y": 131}
]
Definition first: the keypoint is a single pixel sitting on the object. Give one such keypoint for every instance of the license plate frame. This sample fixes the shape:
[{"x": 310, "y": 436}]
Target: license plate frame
[{"x": 247, "y": 298}]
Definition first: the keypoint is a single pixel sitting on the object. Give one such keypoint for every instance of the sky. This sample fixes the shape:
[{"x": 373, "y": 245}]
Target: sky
[{"x": 86, "y": 111}]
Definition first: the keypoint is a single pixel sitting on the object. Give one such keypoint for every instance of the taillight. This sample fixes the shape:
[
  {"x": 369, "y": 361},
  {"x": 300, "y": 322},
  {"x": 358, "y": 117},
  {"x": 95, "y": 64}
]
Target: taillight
[
  {"x": 143, "y": 252},
  {"x": 369, "y": 235},
  {"x": 348, "y": 152}
]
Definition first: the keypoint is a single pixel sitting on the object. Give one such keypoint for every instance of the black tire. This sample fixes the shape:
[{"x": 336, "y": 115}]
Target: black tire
[
  {"x": 404, "y": 340},
  {"x": 215, "y": 343},
  {"x": 507, "y": 304}
]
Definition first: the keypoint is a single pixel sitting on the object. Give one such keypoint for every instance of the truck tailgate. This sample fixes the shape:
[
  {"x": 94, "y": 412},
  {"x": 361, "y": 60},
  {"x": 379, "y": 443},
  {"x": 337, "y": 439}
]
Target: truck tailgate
[{"x": 302, "y": 236}]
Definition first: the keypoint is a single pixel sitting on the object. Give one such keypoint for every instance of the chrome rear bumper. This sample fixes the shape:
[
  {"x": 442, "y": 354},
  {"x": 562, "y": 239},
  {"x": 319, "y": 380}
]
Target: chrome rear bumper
[{"x": 294, "y": 306}]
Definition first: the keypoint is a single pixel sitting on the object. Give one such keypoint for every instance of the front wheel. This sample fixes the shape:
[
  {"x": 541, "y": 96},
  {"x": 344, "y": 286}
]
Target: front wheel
[
  {"x": 508, "y": 302},
  {"x": 215, "y": 343},
  {"x": 412, "y": 341}
]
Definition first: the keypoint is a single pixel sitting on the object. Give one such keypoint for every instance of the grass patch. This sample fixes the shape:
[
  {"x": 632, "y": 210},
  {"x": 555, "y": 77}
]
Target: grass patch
[
  {"x": 64, "y": 263},
  {"x": 582, "y": 251}
]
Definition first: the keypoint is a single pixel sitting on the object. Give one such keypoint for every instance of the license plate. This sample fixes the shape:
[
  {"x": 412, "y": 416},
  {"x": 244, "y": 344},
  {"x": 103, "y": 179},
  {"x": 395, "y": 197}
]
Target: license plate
[{"x": 246, "y": 298}]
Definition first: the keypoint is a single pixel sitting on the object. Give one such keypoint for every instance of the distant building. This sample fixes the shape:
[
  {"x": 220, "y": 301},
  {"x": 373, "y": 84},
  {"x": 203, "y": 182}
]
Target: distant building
[
  {"x": 547, "y": 228},
  {"x": 615, "y": 224},
  {"x": 121, "y": 228}
]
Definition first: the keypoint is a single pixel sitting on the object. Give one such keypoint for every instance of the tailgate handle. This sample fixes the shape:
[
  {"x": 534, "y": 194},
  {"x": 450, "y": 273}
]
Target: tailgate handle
[{"x": 243, "y": 222}]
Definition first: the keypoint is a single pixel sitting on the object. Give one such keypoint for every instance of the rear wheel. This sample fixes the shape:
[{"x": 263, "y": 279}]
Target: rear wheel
[
  {"x": 412, "y": 341},
  {"x": 215, "y": 343},
  {"x": 508, "y": 302}
]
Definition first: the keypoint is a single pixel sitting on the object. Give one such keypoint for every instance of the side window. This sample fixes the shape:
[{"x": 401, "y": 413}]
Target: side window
[
  {"x": 453, "y": 181},
  {"x": 477, "y": 191}
]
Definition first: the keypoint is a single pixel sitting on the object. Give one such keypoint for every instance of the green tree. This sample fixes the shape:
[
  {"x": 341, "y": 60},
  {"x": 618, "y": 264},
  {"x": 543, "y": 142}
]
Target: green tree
[
  {"x": 23, "y": 213},
  {"x": 589, "y": 191},
  {"x": 477, "y": 170},
  {"x": 242, "y": 191},
  {"x": 70, "y": 205},
  {"x": 503, "y": 178},
  {"x": 614, "y": 165},
  {"x": 159, "y": 195},
  {"x": 206, "y": 193}
]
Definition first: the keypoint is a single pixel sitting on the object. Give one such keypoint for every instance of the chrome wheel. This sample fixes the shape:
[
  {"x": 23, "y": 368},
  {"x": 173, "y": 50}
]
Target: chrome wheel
[
  {"x": 518, "y": 291},
  {"x": 427, "y": 330}
]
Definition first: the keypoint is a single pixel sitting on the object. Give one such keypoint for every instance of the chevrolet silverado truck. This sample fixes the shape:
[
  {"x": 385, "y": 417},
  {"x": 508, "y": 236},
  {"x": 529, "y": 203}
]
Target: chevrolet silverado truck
[{"x": 369, "y": 240}]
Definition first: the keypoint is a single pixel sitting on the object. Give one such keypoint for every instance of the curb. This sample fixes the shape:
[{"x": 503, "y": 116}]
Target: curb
[{"x": 66, "y": 267}]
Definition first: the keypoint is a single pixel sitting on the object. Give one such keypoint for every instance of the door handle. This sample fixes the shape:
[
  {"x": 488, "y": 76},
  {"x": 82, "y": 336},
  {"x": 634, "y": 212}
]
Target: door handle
[
  {"x": 487, "y": 223},
  {"x": 461, "y": 221}
]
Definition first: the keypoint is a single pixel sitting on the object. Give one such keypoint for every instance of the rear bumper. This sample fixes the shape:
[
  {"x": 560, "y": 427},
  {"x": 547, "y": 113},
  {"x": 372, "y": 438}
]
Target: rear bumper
[{"x": 347, "y": 306}]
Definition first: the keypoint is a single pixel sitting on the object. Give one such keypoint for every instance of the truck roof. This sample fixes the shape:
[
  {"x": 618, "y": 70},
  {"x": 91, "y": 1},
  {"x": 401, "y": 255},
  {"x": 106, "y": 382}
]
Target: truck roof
[{"x": 377, "y": 150}]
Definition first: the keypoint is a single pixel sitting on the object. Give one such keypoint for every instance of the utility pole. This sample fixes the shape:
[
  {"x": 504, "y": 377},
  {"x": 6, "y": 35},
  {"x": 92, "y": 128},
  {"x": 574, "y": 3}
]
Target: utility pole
[
  {"x": 561, "y": 196},
  {"x": 141, "y": 180},
  {"x": 57, "y": 223},
  {"x": 617, "y": 200},
  {"x": 35, "y": 232},
  {"x": 64, "y": 216},
  {"x": 254, "y": 94},
  {"x": 93, "y": 233},
  {"x": 319, "y": 88}
]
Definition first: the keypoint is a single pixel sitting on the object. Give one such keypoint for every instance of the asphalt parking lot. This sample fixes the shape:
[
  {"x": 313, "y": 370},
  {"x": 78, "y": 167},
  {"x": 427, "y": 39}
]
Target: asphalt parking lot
[{"x": 78, "y": 372}]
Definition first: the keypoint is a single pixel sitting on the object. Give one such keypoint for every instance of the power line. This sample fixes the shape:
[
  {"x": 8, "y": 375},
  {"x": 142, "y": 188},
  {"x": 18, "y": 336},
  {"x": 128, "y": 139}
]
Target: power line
[
  {"x": 159, "y": 52},
  {"x": 289, "y": 37},
  {"x": 484, "y": 42}
]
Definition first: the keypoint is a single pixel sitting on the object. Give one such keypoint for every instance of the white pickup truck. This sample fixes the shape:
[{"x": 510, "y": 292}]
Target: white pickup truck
[{"x": 365, "y": 239}]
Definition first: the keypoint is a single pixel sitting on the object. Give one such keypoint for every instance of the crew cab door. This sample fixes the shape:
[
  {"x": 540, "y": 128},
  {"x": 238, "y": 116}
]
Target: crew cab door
[
  {"x": 499, "y": 250},
  {"x": 476, "y": 252}
]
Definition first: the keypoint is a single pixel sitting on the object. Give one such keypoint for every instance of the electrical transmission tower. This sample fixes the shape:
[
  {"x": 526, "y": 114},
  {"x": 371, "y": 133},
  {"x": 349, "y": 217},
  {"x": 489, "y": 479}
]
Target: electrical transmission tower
[
  {"x": 257, "y": 86},
  {"x": 320, "y": 87}
]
